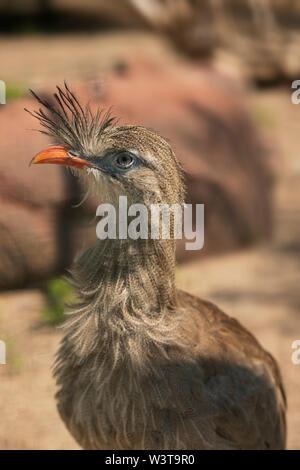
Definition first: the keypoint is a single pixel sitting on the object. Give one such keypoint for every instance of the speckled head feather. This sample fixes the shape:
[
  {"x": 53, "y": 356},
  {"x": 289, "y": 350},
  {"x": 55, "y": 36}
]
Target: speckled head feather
[{"x": 66, "y": 121}]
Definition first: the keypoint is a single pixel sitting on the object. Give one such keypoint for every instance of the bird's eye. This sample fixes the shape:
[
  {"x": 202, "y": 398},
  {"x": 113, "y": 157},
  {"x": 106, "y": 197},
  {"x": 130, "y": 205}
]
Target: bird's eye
[{"x": 124, "y": 160}]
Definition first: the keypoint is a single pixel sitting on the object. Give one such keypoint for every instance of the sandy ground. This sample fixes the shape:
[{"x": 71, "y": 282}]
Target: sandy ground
[{"x": 260, "y": 286}]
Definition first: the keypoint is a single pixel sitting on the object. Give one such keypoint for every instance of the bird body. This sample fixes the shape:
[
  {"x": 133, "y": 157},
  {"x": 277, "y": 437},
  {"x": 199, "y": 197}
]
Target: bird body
[
  {"x": 142, "y": 364},
  {"x": 189, "y": 378}
]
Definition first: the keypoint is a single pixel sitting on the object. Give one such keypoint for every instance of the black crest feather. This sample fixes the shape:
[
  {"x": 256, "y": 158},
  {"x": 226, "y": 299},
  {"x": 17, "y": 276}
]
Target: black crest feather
[{"x": 67, "y": 122}]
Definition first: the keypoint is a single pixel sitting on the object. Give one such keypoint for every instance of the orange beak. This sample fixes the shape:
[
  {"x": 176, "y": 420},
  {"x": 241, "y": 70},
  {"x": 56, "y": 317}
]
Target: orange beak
[{"x": 59, "y": 155}]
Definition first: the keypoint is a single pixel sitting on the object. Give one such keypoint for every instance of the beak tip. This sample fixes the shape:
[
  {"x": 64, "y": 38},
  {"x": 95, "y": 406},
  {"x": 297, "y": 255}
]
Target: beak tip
[{"x": 32, "y": 162}]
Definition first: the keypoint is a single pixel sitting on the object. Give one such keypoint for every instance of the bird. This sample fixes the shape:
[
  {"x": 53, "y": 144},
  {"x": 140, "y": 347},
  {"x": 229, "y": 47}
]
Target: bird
[{"x": 143, "y": 364}]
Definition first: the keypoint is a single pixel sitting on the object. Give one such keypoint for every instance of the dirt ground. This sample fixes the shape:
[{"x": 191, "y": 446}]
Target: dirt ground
[{"x": 259, "y": 286}]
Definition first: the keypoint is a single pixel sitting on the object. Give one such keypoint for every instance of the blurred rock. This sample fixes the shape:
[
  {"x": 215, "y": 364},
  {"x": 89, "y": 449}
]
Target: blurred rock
[{"x": 202, "y": 115}]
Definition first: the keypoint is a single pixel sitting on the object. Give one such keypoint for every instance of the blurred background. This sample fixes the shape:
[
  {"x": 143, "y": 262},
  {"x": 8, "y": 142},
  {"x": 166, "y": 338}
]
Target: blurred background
[{"x": 212, "y": 76}]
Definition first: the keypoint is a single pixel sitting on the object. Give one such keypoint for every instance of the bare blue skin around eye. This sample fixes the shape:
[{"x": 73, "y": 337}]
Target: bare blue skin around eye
[{"x": 108, "y": 163}]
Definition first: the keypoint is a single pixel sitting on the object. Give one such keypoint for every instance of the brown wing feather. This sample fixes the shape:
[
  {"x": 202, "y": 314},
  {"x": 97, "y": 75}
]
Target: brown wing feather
[{"x": 241, "y": 380}]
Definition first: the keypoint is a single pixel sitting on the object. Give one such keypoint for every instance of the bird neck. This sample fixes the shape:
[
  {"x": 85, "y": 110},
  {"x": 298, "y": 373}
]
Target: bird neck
[
  {"x": 127, "y": 299},
  {"x": 141, "y": 270}
]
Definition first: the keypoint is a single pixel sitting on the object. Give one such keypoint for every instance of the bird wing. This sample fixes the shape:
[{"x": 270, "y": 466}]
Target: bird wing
[{"x": 241, "y": 381}]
